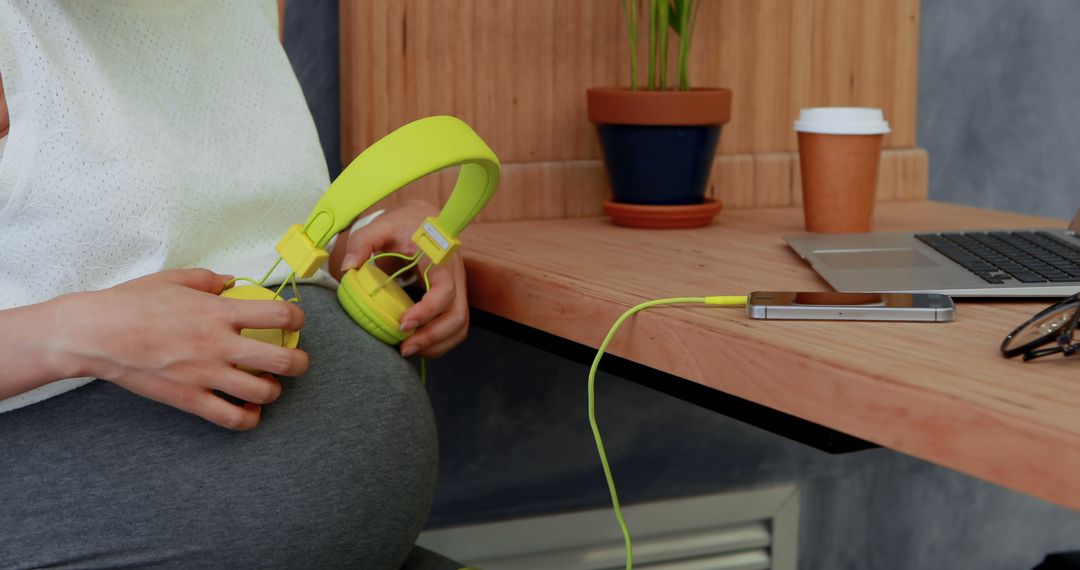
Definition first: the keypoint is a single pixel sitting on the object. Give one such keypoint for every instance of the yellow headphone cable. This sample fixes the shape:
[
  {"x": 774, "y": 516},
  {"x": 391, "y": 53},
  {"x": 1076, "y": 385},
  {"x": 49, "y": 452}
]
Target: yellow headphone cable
[{"x": 721, "y": 301}]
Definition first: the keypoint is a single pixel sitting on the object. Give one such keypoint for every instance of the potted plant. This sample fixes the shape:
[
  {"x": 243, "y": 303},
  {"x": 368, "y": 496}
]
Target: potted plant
[{"x": 659, "y": 142}]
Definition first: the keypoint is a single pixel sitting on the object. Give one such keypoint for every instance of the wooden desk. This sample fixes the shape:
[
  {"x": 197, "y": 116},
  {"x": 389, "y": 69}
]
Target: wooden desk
[{"x": 937, "y": 391}]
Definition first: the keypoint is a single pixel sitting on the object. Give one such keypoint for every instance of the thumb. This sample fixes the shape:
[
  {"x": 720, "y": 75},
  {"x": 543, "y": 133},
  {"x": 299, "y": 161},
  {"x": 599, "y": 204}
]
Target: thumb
[{"x": 366, "y": 241}]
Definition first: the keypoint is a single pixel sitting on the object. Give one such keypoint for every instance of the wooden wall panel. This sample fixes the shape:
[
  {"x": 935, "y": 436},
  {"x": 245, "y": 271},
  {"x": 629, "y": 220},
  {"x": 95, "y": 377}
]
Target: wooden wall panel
[
  {"x": 517, "y": 70},
  {"x": 760, "y": 50},
  {"x": 513, "y": 69}
]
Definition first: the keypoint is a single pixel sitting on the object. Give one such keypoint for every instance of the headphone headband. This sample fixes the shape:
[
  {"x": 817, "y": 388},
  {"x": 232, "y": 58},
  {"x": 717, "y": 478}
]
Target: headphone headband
[{"x": 407, "y": 154}]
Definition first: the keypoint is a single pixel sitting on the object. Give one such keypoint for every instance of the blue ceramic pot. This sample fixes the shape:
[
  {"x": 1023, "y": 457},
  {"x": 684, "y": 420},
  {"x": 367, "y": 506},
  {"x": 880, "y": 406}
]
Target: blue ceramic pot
[
  {"x": 658, "y": 146},
  {"x": 658, "y": 165}
]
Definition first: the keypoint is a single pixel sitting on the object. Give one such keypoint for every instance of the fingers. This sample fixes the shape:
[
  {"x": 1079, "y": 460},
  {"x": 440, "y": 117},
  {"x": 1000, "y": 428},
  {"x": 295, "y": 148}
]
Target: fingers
[
  {"x": 226, "y": 415},
  {"x": 439, "y": 336},
  {"x": 249, "y": 314},
  {"x": 262, "y": 389},
  {"x": 277, "y": 360},
  {"x": 367, "y": 240},
  {"x": 198, "y": 279},
  {"x": 202, "y": 402},
  {"x": 441, "y": 317},
  {"x": 437, "y": 299}
]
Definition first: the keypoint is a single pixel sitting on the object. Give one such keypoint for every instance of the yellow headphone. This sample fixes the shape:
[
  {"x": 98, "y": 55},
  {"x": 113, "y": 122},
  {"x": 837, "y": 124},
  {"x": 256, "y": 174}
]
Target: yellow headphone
[{"x": 411, "y": 152}]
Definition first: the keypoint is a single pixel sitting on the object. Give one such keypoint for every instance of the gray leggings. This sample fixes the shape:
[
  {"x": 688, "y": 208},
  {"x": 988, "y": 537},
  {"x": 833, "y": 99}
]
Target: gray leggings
[{"x": 339, "y": 473}]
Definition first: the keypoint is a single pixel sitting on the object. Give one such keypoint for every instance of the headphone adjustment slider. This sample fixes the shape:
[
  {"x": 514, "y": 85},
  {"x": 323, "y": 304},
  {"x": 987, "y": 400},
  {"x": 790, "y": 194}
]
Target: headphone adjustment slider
[
  {"x": 434, "y": 242},
  {"x": 297, "y": 249}
]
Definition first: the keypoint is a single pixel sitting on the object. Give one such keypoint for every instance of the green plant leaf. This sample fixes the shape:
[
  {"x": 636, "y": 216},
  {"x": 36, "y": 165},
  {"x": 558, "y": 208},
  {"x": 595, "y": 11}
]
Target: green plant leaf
[
  {"x": 676, "y": 19},
  {"x": 653, "y": 18},
  {"x": 688, "y": 11},
  {"x": 630, "y": 11},
  {"x": 663, "y": 13}
]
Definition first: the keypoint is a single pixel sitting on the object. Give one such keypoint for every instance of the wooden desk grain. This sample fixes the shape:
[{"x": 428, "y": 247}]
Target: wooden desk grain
[{"x": 937, "y": 391}]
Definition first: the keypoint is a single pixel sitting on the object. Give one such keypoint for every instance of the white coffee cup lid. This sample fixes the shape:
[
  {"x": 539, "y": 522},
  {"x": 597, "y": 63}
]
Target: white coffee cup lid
[{"x": 842, "y": 121}]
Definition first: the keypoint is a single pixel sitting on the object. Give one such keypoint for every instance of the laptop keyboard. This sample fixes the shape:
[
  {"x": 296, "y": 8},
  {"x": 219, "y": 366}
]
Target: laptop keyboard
[{"x": 997, "y": 257}]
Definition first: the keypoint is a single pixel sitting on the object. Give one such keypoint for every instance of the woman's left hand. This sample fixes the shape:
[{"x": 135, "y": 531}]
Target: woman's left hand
[{"x": 441, "y": 317}]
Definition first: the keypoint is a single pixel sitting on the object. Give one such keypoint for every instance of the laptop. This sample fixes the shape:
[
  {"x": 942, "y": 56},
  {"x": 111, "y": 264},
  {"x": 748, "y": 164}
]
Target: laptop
[{"x": 1036, "y": 262}]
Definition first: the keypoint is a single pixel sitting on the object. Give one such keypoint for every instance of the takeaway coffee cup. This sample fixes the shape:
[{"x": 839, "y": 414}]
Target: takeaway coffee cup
[{"x": 839, "y": 154}]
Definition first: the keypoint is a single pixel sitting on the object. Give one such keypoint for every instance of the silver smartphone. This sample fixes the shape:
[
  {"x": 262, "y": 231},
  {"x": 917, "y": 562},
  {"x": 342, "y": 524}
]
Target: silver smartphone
[{"x": 851, "y": 306}]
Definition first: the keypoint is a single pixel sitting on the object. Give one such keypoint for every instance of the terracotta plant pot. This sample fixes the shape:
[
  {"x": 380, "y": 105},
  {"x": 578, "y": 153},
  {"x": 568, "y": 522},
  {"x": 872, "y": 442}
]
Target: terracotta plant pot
[{"x": 658, "y": 146}]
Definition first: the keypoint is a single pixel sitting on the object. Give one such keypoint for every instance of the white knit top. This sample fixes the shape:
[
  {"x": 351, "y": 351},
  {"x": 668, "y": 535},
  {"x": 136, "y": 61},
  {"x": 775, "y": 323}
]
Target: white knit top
[{"x": 145, "y": 136}]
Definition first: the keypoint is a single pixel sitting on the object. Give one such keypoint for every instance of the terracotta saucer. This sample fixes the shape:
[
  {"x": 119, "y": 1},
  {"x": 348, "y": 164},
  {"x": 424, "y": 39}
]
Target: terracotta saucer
[{"x": 663, "y": 217}]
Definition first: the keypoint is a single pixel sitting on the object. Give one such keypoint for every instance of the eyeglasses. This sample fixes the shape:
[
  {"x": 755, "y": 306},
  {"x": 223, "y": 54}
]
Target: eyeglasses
[{"x": 1054, "y": 324}]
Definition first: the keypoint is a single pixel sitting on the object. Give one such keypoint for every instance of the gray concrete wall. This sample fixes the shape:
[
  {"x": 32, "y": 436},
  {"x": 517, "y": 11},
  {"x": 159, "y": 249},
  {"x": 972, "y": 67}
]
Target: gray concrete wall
[
  {"x": 999, "y": 103},
  {"x": 999, "y": 115},
  {"x": 311, "y": 40}
]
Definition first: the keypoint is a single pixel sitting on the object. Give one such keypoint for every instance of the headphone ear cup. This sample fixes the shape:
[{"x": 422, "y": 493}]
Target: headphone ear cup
[
  {"x": 378, "y": 312},
  {"x": 362, "y": 316},
  {"x": 278, "y": 337}
]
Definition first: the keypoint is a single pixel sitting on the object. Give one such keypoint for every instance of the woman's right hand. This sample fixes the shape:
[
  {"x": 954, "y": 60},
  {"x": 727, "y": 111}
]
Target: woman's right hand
[{"x": 171, "y": 338}]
